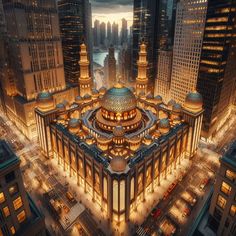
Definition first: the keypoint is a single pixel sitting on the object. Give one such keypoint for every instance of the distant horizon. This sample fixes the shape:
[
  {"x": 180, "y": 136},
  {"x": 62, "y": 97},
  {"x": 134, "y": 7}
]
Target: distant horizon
[{"x": 112, "y": 11}]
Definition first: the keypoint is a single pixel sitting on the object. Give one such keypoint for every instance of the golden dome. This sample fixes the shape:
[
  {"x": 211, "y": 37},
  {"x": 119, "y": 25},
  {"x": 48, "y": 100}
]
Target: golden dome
[
  {"x": 194, "y": 101},
  {"x": 177, "y": 108},
  {"x": 164, "y": 126},
  {"x": 119, "y": 99},
  {"x": 74, "y": 125},
  {"x": 118, "y": 164}
]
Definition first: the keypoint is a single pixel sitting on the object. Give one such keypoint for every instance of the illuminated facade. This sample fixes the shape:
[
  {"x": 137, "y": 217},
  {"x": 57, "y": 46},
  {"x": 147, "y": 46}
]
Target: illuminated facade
[
  {"x": 118, "y": 146},
  {"x": 222, "y": 211},
  {"x": 189, "y": 31},
  {"x": 19, "y": 215},
  {"x": 217, "y": 71},
  {"x": 35, "y": 60}
]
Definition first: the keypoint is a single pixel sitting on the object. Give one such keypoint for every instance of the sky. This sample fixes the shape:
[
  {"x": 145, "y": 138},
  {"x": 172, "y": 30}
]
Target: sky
[{"x": 112, "y": 10}]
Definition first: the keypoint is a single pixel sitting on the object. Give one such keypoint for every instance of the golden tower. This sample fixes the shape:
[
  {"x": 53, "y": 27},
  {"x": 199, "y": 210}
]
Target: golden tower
[
  {"x": 142, "y": 80},
  {"x": 85, "y": 81}
]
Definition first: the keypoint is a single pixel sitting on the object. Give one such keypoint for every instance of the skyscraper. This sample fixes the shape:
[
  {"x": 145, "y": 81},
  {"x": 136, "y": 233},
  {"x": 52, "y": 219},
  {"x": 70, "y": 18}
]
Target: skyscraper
[
  {"x": 222, "y": 212},
  {"x": 19, "y": 214},
  {"x": 108, "y": 33},
  {"x": 35, "y": 58},
  {"x": 217, "y": 71},
  {"x": 165, "y": 41},
  {"x": 103, "y": 34},
  {"x": 189, "y": 30},
  {"x": 110, "y": 67},
  {"x": 145, "y": 26},
  {"x": 124, "y": 32},
  {"x": 96, "y": 33},
  {"x": 74, "y": 18},
  {"x": 115, "y": 34}
]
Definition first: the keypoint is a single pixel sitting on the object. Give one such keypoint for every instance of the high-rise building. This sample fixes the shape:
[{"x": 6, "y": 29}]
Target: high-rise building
[
  {"x": 145, "y": 26},
  {"x": 110, "y": 67},
  {"x": 74, "y": 19},
  {"x": 189, "y": 30},
  {"x": 102, "y": 34},
  {"x": 35, "y": 59},
  {"x": 165, "y": 41},
  {"x": 222, "y": 210},
  {"x": 125, "y": 62},
  {"x": 164, "y": 68},
  {"x": 19, "y": 214},
  {"x": 217, "y": 71},
  {"x": 115, "y": 34},
  {"x": 124, "y": 32},
  {"x": 109, "y": 34},
  {"x": 96, "y": 33}
]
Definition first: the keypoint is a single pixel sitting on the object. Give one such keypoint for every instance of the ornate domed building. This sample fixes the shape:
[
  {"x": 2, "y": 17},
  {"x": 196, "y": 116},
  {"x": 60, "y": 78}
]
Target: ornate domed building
[{"x": 122, "y": 144}]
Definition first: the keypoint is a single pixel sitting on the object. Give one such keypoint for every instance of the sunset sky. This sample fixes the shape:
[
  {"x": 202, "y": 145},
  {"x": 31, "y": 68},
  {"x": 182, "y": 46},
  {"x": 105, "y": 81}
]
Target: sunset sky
[{"x": 112, "y": 10}]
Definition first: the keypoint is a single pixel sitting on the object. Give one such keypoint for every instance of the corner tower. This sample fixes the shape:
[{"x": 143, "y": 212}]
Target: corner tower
[
  {"x": 85, "y": 81},
  {"x": 142, "y": 80}
]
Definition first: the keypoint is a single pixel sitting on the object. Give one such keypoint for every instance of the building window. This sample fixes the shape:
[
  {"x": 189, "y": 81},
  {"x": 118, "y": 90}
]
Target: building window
[
  {"x": 17, "y": 203},
  {"x": 122, "y": 195},
  {"x": 217, "y": 214},
  {"x": 13, "y": 231},
  {"x": 13, "y": 189},
  {"x": 6, "y": 211},
  {"x": 10, "y": 177},
  {"x": 233, "y": 210},
  {"x": 115, "y": 195},
  {"x": 21, "y": 216},
  {"x": 231, "y": 175},
  {"x": 221, "y": 202},
  {"x": 225, "y": 188},
  {"x": 2, "y": 197}
]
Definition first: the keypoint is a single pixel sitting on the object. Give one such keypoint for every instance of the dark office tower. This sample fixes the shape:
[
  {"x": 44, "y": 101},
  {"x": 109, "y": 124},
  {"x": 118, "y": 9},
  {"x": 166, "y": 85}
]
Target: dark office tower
[
  {"x": 102, "y": 34},
  {"x": 217, "y": 71},
  {"x": 145, "y": 26},
  {"x": 108, "y": 33},
  {"x": 96, "y": 33},
  {"x": 124, "y": 32},
  {"x": 19, "y": 214},
  {"x": 75, "y": 28},
  {"x": 110, "y": 67},
  {"x": 115, "y": 34}
]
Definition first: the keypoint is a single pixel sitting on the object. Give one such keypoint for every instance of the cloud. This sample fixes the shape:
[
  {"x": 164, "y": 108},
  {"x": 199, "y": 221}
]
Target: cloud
[{"x": 111, "y": 6}]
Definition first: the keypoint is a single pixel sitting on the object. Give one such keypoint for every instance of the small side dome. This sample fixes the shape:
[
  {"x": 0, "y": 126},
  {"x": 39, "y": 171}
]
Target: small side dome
[
  {"x": 177, "y": 108},
  {"x": 164, "y": 126},
  {"x": 118, "y": 164},
  {"x": 194, "y": 102},
  {"x": 45, "y": 101},
  {"x": 78, "y": 99},
  {"x": 74, "y": 125},
  {"x": 170, "y": 104},
  {"x": 119, "y": 131},
  {"x": 95, "y": 91},
  {"x": 87, "y": 97},
  {"x": 158, "y": 99},
  {"x": 61, "y": 107}
]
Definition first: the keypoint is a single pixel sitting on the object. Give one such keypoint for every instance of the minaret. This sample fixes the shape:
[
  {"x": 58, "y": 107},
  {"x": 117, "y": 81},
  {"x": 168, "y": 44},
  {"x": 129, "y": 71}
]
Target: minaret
[
  {"x": 142, "y": 80},
  {"x": 85, "y": 81}
]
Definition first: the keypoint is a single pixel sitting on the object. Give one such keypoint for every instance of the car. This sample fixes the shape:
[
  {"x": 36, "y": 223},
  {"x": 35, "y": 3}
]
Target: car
[
  {"x": 153, "y": 211},
  {"x": 157, "y": 213}
]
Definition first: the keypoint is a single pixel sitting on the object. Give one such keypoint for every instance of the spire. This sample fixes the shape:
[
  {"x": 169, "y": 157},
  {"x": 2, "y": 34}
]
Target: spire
[
  {"x": 85, "y": 82},
  {"x": 142, "y": 80}
]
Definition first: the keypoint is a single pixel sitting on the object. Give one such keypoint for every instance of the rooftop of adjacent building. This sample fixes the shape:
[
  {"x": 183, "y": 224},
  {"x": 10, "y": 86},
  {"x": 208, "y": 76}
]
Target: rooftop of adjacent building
[
  {"x": 7, "y": 156},
  {"x": 230, "y": 155}
]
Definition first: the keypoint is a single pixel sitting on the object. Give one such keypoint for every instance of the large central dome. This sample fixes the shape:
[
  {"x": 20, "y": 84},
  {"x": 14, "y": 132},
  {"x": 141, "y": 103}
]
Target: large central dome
[{"x": 119, "y": 99}]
